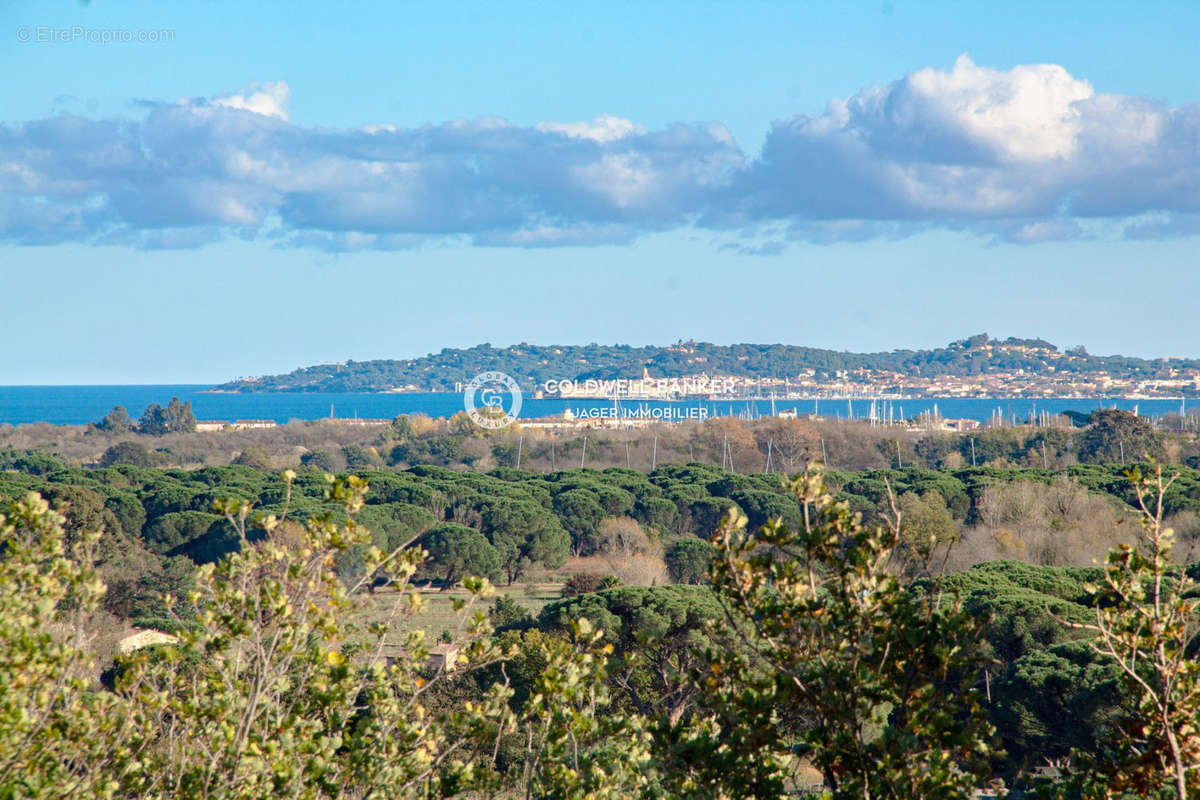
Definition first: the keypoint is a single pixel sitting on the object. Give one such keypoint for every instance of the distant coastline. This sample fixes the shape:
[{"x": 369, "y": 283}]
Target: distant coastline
[{"x": 975, "y": 367}]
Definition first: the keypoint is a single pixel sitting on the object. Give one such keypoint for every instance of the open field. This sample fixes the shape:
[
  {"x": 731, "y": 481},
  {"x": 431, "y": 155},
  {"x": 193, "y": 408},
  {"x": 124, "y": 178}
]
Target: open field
[{"x": 438, "y": 614}]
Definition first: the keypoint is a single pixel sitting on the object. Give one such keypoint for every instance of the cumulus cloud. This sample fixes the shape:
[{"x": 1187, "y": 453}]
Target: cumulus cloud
[
  {"x": 269, "y": 99},
  {"x": 1033, "y": 144},
  {"x": 1023, "y": 155},
  {"x": 235, "y": 162},
  {"x": 1026, "y": 114},
  {"x": 604, "y": 128}
]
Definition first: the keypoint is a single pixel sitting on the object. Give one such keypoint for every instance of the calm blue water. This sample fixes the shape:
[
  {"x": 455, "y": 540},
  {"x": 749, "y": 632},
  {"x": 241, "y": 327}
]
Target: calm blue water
[{"x": 76, "y": 405}]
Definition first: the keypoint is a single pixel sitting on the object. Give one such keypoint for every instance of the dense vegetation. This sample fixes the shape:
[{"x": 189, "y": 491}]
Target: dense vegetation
[
  {"x": 528, "y": 520},
  {"x": 533, "y": 365},
  {"x": 1046, "y": 694}
]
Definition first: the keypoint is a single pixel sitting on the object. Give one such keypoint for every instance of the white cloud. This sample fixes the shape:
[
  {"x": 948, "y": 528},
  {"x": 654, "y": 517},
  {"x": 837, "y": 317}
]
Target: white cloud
[
  {"x": 209, "y": 163},
  {"x": 1023, "y": 155},
  {"x": 1025, "y": 114},
  {"x": 604, "y": 128},
  {"x": 970, "y": 144},
  {"x": 269, "y": 99}
]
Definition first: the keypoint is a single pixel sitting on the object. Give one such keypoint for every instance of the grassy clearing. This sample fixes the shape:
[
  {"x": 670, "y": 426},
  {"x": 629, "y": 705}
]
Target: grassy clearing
[{"x": 437, "y": 613}]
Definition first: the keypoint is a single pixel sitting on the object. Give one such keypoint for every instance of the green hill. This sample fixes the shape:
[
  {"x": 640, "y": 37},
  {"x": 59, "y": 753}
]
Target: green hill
[{"x": 532, "y": 365}]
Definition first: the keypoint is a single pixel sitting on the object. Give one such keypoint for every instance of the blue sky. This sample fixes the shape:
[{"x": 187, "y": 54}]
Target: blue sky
[{"x": 276, "y": 184}]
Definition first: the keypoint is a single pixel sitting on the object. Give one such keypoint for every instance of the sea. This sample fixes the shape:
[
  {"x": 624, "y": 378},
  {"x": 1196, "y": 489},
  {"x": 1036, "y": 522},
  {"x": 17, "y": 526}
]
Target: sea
[{"x": 78, "y": 405}]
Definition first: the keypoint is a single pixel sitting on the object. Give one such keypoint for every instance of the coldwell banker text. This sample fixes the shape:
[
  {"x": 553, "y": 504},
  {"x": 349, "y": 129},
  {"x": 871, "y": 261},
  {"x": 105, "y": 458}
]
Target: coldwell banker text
[{"x": 640, "y": 387}]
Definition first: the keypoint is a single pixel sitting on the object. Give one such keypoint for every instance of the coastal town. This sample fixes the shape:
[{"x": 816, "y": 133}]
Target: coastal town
[{"x": 884, "y": 384}]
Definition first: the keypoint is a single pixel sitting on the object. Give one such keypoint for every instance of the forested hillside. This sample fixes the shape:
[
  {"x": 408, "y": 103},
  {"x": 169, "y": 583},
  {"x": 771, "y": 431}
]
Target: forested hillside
[{"x": 533, "y": 365}]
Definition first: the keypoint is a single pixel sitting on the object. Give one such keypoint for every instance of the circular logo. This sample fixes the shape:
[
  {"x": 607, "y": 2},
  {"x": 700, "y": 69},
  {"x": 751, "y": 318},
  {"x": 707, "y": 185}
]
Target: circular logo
[{"x": 484, "y": 399}]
